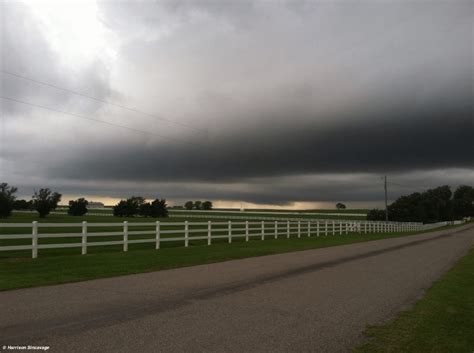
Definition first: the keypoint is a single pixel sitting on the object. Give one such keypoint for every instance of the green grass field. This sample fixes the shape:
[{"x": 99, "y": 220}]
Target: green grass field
[
  {"x": 254, "y": 213},
  {"x": 441, "y": 322},
  {"x": 18, "y": 269}
]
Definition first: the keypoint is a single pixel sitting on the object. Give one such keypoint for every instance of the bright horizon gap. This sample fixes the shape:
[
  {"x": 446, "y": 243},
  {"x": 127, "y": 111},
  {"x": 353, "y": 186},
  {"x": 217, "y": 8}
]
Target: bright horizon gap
[{"x": 323, "y": 205}]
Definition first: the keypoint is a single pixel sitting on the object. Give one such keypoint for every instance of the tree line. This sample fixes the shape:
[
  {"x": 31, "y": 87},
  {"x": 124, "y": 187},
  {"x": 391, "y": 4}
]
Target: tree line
[
  {"x": 137, "y": 206},
  {"x": 198, "y": 205},
  {"x": 44, "y": 201},
  {"x": 434, "y": 205}
]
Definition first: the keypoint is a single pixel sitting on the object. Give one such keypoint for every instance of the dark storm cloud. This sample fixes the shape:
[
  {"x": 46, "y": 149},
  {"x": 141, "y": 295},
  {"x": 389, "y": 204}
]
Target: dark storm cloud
[
  {"x": 362, "y": 187},
  {"x": 397, "y": 138},
  {"x": 289, "y": 92}
]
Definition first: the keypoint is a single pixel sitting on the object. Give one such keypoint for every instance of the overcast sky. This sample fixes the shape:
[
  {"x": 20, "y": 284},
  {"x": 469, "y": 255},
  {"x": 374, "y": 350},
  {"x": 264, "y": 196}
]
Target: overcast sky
[{"x": 288, "y": 103}]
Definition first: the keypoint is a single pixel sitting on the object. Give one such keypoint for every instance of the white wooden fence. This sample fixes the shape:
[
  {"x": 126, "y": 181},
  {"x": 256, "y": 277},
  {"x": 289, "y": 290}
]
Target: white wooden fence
[{"x": 158, "y": 232}]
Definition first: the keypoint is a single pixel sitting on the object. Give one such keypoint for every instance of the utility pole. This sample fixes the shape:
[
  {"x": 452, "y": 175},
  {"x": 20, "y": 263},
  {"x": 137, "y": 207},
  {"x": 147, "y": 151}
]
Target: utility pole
[{"x": 385, "y": 188}]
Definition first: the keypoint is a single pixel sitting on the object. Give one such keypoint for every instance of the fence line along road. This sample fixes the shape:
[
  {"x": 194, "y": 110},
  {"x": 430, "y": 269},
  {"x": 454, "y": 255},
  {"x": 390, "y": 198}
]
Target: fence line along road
[{"x": 158, "y": 232}]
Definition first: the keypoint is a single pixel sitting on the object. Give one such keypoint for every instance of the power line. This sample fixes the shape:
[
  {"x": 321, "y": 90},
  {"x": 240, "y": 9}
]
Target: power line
[
  {"x": 97, "y": 120},
  {"x": 135, "y": 110}
]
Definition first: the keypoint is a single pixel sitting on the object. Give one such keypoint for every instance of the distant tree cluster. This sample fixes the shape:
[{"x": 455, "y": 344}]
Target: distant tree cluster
[
  {"x": 198, "y": 205},
  {"x": 340, "y": 206},
  {"x": 45, "y": 200},
  {"x": 376, "y": 215},
  {"x": 137, "y": 206},
  {"x": 434, "y": 205},
  {"x": 23, "y": 205},
  {"x": 7, "y": 199},
  {"x": 77, "y": 207}
]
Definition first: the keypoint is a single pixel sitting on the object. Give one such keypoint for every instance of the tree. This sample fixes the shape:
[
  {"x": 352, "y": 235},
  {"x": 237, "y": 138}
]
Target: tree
[
  {"x": 197, "y": 205},
  {"x": 130, "y": 207},
  {"x": 44, "y": 201},
  {"x": 463, "y": 202},
  {"x": 121, "y": 209},
  {"x": 137, "y": 200},
  {"x": 376, "y": 215},
  {"x": 7, "y": 199},
  {"x": 78, "y": 207},
  {"x": 22, "y": 205},
  {"x": 145, "y": 210},
  {"x": 159, "y": 208},
  {"x": 189, "y": 205},
  {"x": 433, "y": 205},
  {"x": 340, "y": 206},
  {"x": 206, "y": 205}
]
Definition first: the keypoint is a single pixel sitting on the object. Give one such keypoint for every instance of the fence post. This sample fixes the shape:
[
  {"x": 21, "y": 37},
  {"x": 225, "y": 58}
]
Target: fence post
[
  {"x": 263, "y": 230},
  {"x": 340, "y": 228},
  {"x": 309, "y": 228},
  {"x": 125, "y": 236},
  {"x": 34, "y": 240},
  {"x": 186, "y": 234},
  {"x": 229, "y": 228},
  {"x": 246, "y": 230},
  {"x": 317, "y": 228},
  {"x": 325, "y": 228},
  {"x": 333, "y": 227},
  {"x": 157, "y": 235},
  {"x": 288, "y": 229},
  {"x": 209, "y": 231},
  {"x": 276, "y": 229},
  {"x": 299, "y": 229},
  {"x": 84, "y": 237}
]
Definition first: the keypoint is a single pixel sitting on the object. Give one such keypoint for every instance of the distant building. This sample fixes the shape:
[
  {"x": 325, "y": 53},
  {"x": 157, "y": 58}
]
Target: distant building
[{"x": 94, "y": 204}]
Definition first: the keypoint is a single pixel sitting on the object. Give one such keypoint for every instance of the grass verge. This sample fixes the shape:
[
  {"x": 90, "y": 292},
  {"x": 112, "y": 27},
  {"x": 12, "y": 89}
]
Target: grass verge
[{"x": 441, "y": 322}]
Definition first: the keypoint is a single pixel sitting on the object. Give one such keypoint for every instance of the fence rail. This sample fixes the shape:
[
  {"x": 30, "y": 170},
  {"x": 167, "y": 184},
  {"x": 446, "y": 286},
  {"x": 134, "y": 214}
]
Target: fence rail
[
  {"x": 158, "y": 232},
  {"x": 188, "y": 231}
]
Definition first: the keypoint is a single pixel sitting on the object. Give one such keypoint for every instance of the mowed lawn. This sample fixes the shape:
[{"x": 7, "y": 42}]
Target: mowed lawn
[
  {"x": 441, "y": 322},
  {"x": 18, "y": 269}
]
